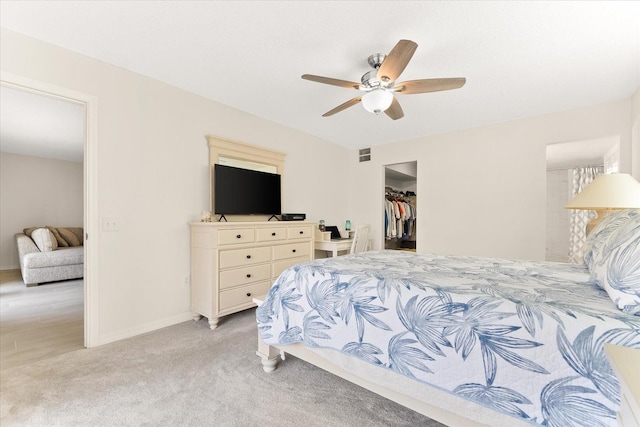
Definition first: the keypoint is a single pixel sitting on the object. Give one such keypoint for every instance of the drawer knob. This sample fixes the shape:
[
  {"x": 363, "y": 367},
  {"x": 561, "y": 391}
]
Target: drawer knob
[
  {"x": 248, "y": 294},
  {"x": 238, "y": 236},
  {"x": 248, "y": 275},
  {"x": 294, "y": 250},
  {"x": 248, "y": 256},
  {"x": 273, "y": 234},
  {"x": 302, "y": 232}
]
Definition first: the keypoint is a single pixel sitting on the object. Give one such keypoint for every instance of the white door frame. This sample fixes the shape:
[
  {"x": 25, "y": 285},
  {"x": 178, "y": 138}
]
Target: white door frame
[{"x": 91, "y": 226}]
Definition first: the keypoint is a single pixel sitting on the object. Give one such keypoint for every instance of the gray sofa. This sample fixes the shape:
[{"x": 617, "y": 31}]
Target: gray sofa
[{"x": 45, "y": 255}]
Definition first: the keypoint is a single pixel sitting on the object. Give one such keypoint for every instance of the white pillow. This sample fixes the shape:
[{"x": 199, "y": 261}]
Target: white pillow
[
  {"x": 619, "y": 270},
  {"x": 592, "y": 248},
  {"x": 44, "y": 239}
]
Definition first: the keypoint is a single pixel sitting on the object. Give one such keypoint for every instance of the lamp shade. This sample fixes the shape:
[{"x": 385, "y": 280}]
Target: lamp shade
[
  {"x": 377, "y": 101},
  {"x": 611, "y": 191}
]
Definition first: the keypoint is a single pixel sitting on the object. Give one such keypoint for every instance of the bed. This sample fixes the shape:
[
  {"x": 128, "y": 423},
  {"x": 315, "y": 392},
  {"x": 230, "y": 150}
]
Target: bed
[{"x": 468, "y": 340}]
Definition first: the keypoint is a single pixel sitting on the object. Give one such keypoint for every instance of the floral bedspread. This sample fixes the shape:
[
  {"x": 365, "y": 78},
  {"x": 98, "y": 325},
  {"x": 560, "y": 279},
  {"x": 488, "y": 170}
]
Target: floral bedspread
[{"x": 524, "y": 338}]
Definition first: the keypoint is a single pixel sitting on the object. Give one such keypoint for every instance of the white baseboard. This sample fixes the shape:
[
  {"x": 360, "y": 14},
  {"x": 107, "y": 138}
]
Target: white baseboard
[{"x": 142, "y": 329}]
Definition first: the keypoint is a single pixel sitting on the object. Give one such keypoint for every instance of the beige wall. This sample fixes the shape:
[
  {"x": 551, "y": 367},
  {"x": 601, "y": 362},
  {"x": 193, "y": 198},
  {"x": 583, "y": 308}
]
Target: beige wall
[
  {"x": 152, "y": 175},
  {"x": 483, "y": 191},
  {"x": 36, "y": 192}
]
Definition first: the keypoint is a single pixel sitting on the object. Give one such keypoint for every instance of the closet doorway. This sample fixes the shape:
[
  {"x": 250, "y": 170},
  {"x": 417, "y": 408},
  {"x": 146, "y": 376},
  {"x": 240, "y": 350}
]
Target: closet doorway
[{"x": 400, "y": 201}]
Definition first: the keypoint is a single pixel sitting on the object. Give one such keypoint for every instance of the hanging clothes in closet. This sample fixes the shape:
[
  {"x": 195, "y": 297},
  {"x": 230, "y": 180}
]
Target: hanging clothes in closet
[{"x": 400, "y": 216}]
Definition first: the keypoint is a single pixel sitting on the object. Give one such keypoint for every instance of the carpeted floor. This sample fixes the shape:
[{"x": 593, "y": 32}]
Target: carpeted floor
[{"x": 188, "y": 375}]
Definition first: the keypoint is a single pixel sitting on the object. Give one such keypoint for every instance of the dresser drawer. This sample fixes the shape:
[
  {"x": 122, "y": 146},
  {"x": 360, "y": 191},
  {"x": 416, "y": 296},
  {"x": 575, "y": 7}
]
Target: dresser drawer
[
  {"x": 302, "y": 232},
  {"x": 242, "y": 295},
  {"x": 248, "y": 256},
  {"x": 280, "y": 266},
  {"x": 244, "y": 275},
  {"x": 271, "y": 234},
  {"x": 240, "y": 235},
  {"x": 292, "y": 250}
]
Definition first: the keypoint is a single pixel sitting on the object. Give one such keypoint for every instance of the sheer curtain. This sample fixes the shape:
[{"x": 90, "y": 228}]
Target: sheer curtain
[{"x": 578, "y": 219}]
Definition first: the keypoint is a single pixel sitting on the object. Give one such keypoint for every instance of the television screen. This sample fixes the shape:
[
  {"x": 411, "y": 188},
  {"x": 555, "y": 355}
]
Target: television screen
[{"x": 244, "y": 191}]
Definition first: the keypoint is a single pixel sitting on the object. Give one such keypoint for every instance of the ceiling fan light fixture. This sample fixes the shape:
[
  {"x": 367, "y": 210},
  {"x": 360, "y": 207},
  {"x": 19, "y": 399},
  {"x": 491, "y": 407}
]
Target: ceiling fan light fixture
[
  {"x": 377, "y": 86},
  {"x": 377, "y": 101}
]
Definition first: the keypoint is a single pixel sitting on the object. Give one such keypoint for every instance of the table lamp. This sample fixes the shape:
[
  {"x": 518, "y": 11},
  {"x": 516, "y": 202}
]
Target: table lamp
[{"x": 605, "y": 194}]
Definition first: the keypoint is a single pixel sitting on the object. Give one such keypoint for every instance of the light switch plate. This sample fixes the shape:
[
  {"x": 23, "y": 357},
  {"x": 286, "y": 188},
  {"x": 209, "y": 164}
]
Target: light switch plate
[{"x": 110, "y": 224}]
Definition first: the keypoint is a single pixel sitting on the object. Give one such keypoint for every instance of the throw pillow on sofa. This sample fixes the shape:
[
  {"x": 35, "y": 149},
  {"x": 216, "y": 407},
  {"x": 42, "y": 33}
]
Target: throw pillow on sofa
[
  {"x": 79, "y": 232},
  {"x": 61, "y": 242},
  {"x": 69, "y": 236},
  {"x": 44, "y": 239},
  {"x": 30, "y": 230}
]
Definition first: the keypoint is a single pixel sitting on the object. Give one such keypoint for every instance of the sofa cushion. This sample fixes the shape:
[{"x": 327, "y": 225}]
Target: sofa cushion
[
  {"x": 61, "y": 257},
  {"x": 69, "y": 236},
  {"x": 61, "y": 242},
  {"x": 44, "y": 239}
]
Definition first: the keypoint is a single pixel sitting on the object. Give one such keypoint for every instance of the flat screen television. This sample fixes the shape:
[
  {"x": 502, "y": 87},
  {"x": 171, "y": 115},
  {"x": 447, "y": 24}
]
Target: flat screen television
[{"x": 240, "y": 191}]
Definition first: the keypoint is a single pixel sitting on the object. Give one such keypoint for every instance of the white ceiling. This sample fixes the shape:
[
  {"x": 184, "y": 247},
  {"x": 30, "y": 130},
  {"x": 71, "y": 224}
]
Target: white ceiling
[
  {"x": 520, "y": 59},
  {"x": 567, "y": 155},
  {"x": 41, "y": 126}
]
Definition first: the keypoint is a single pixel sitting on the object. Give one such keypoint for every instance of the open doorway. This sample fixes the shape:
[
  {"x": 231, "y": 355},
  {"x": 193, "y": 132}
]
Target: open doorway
[
  {"x": 568, "y": 164},
  {"x": 45, "y": 135},
  {"x": 400, "y": 193}
]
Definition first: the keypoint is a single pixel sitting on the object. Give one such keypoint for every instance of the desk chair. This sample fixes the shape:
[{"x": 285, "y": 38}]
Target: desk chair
[{"x": 360, "y": 239}]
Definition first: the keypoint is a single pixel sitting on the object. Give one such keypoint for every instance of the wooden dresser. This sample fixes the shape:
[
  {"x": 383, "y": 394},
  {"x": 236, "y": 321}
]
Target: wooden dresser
[{"x": 233, "y": 262}]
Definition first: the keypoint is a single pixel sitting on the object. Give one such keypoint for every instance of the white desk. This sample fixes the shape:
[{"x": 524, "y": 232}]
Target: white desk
[{"x": 333, "y": 246}]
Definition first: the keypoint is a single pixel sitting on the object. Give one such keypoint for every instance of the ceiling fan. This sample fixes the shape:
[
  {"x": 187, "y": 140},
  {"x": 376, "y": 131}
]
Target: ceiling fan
[{"x": 379, "y": 84}]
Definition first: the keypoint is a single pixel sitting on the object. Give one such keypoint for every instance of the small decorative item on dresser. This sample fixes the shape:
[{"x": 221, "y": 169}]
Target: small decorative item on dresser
[
  {"x": 347, "y": 225},
  {"x": 321, "y": 225},
  {"x": 205, "y": 216}
]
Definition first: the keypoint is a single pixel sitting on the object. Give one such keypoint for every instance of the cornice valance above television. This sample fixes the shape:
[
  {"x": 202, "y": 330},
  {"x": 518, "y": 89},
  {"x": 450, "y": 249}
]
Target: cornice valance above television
[{"x": 234, "y": 153}]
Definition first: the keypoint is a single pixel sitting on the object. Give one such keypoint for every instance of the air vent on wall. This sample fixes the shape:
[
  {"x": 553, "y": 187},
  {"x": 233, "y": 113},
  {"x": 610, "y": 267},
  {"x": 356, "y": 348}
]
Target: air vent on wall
[{"x": 365, "y": 154}]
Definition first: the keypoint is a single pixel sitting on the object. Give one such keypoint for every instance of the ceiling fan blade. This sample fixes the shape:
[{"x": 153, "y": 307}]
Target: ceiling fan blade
[
  {"x": 429, "y": 85},
  {"x": 395, "y": 110},
  {"x": 395, "y": 63},
  {"x": 330, "y": 81},
  {"x": 343, "y": 106}
]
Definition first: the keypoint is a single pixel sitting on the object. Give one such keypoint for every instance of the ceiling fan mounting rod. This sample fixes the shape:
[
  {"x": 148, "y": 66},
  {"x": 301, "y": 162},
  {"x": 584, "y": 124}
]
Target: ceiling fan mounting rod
[{"x": 376, "y": 59}]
